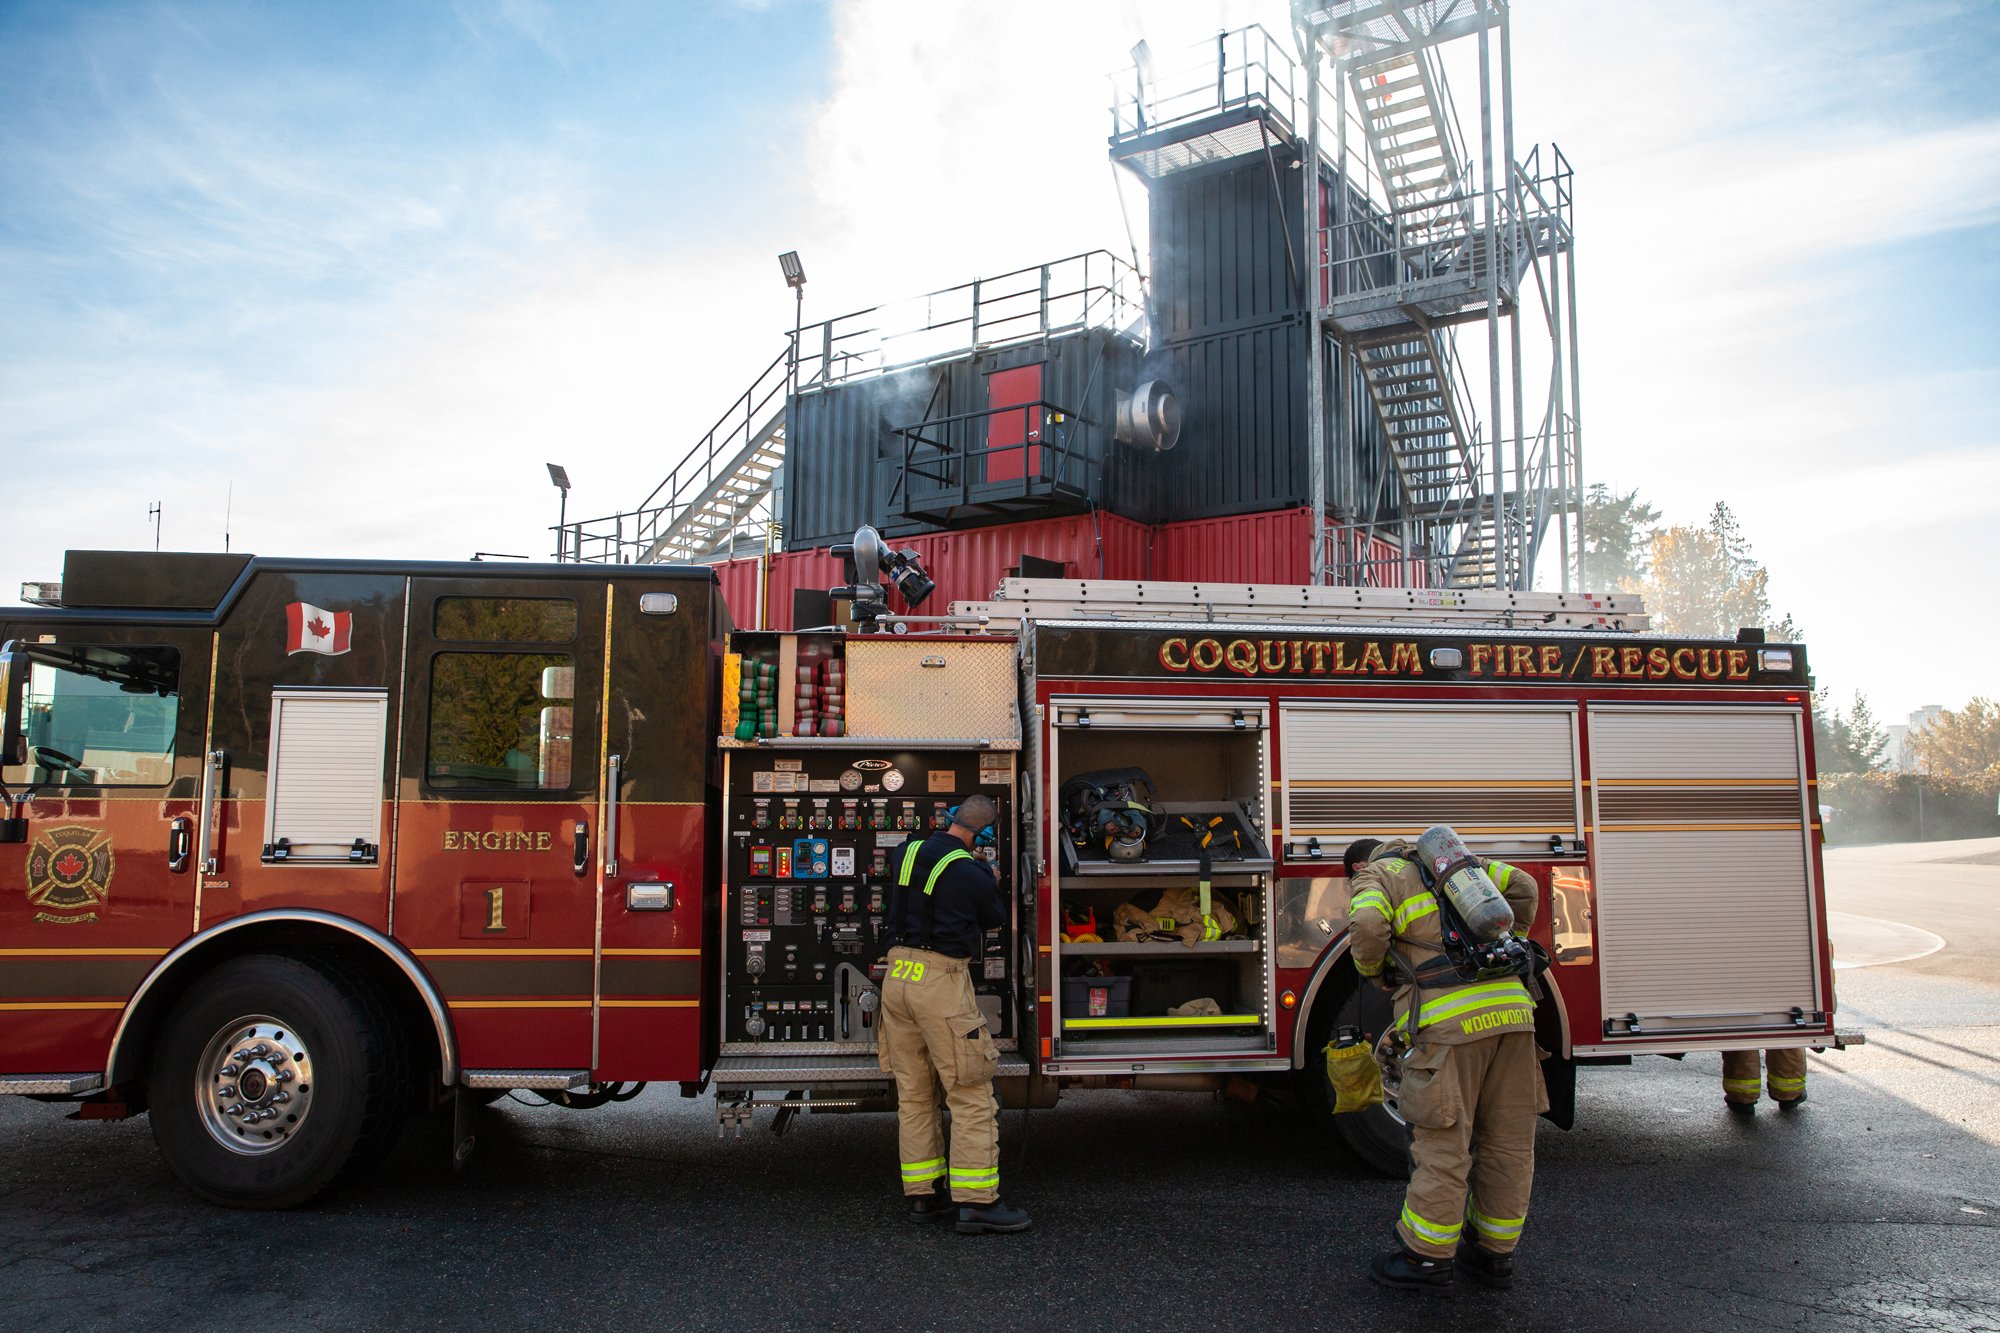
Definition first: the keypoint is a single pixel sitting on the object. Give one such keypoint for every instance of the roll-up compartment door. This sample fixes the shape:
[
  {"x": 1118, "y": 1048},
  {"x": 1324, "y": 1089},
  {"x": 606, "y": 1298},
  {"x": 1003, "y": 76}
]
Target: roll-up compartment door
[
  {"x": 1706, "y": 919},
  {"x": 1505, "y": 777},
  {"x": 326, "y": 775}
]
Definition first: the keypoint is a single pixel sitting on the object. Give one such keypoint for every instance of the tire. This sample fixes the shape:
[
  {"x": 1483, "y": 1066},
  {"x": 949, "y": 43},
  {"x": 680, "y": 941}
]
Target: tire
[
  {"x": 1377, "y": 1135},
  {"x": 311, "y": 1059}
]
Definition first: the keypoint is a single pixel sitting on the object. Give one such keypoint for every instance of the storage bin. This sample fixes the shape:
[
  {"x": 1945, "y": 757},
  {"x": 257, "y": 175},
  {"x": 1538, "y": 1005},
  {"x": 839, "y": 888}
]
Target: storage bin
[{"x": 1097, "y": 997}]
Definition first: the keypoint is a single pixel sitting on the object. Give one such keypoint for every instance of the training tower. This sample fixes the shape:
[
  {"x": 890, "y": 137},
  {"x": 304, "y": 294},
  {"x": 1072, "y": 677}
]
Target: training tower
[{"x": 1351, "y": 358}]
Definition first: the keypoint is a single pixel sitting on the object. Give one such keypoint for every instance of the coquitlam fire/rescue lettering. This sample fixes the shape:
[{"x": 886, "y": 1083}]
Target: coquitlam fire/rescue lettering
[
  {"x": 1521, "y": 661},
  {"x": 1296, "y": 657},
  {"x": 493, "y": 840}
]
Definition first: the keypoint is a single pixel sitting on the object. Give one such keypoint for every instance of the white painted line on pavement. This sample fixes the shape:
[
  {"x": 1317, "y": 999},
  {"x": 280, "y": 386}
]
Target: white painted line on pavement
[{"x": 1867, "y": 941}]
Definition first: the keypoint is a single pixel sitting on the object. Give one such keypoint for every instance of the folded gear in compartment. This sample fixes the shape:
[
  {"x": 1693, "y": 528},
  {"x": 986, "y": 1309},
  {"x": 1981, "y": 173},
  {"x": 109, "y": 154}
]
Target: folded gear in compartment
[{"x": 1176, "y": 915}]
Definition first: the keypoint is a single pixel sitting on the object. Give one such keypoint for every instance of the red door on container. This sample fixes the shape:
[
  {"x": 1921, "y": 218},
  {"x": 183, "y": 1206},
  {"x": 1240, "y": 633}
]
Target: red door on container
[{"x": 1013, "y": 438}]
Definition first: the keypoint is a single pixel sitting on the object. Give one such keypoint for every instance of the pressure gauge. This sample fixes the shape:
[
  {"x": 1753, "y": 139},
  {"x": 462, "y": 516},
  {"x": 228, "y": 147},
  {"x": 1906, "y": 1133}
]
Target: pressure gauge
[
  {"x": 851, "y": 780},
  {"x": 892, "y": 780}
]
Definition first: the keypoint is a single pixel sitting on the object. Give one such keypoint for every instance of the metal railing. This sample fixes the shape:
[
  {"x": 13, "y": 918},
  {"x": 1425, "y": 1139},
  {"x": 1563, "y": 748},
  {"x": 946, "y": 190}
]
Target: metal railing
[
  {"x": 950, "y": 461},
  {"x": 630, "y": 536},
  {"x": 1095, "y": 289},
  {"x": 1236, "y": 68}
]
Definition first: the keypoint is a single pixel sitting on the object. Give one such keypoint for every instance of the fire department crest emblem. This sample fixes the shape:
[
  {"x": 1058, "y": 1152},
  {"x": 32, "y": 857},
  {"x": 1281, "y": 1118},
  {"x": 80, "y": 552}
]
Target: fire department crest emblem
[{"x": 69, "y": 874}]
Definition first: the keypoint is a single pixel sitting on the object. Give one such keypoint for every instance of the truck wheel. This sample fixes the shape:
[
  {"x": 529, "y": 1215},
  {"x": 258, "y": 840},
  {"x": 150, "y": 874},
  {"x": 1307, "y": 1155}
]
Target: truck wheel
[
  {"x": 1378, "y": 1135},
  {"x": 275, "y": 1078}
]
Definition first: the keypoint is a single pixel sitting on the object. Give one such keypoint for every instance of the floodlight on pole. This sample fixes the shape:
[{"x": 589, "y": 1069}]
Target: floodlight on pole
[
  {"x": 560, "y": 476},
  {"x": 795, "y": 278}
]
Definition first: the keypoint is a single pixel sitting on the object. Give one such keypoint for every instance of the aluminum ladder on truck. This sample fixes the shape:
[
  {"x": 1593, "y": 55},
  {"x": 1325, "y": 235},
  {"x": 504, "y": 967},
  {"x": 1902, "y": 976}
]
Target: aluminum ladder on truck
[{"x": 1111, "y": 599}]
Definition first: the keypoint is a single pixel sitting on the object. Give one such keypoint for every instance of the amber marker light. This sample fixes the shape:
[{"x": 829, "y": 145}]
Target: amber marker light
[{"x": 1289, "y": 1000}]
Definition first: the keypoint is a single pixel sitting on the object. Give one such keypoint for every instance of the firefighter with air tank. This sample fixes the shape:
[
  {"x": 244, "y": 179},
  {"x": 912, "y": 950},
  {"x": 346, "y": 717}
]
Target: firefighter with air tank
[
  {"x": 933, "y": 1032},
  {"x": 1462, "y": 1033}
]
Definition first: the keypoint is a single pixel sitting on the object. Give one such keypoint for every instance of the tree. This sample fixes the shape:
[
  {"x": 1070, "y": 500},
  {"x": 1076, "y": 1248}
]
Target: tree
[
  {"x": 1870, "y": 741},
  {"x": 1963, "y": 745},
  {"x": 1849, "y": 743},
  {"x": 1617, "y": 535},
  {"x": 1704, "y": 582},
  {"x": 1833, "y": 744}
]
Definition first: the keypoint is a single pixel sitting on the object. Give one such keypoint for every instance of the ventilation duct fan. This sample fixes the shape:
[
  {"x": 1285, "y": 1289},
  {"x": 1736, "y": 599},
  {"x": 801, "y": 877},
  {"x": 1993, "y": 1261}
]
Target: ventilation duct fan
[{"x": 1149, "y": 417}]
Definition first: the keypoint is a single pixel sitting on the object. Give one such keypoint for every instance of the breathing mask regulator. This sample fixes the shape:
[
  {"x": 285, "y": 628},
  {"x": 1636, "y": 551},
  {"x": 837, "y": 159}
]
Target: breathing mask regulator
[
  {"x": 984, "y": 838},
  {"x": 1111, "y": 808},
  {"x": 1476, "y": 921}
]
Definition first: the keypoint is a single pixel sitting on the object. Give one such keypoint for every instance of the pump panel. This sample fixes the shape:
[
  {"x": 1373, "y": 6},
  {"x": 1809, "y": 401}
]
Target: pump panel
[{"x": 813, "y": 839}]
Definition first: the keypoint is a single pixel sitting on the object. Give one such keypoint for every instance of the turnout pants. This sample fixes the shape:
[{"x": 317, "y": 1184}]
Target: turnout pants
[
  {"x": 933, "y": 1034},
  {"x": 1784, "y": 1076},
  {"x": 1472, "y": 1110}
]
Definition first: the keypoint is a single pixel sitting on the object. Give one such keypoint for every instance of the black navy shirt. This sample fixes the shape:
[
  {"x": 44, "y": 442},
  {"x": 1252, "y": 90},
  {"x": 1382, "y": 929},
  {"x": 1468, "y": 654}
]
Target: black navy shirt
[{"x": 967, "y": 900}]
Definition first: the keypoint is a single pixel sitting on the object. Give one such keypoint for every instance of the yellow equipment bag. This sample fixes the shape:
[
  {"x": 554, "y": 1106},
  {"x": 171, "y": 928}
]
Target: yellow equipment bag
[{"x": 1356, "y": 1077}]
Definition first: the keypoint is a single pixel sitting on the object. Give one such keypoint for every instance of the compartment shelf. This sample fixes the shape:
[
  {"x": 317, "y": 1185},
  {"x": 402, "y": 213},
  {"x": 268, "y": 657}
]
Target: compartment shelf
[
  {"x": 1161, "y": 949},
  {"x": 1128, "y": 869},
  {"x": 1149, "y": 1023}
]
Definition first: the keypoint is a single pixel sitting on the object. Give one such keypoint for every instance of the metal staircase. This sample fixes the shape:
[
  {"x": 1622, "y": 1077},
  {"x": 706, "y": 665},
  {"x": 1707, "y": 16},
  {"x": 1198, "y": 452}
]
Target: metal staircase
[
  {"x": 718, "y": 495},
  {"x": 724, "y": 493},
  {"x": 1414, "y": 143},
  {"x": 1422, "y": 240}
]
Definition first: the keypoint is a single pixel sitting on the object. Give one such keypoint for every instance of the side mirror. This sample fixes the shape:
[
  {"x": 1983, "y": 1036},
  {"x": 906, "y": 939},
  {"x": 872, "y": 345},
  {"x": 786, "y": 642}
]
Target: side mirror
[
  {"x": 13, "y": 743},
  {"x": 13, "y": 683}
]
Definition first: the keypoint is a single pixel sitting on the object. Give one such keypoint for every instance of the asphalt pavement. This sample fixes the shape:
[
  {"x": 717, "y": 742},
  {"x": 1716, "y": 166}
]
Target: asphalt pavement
[{"x": 1875, "y": 1206}]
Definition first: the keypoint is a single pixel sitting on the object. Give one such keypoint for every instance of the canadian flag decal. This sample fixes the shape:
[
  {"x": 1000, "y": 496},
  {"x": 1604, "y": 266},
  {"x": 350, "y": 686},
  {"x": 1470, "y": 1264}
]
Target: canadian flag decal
[{"x": 312, "y": 629}]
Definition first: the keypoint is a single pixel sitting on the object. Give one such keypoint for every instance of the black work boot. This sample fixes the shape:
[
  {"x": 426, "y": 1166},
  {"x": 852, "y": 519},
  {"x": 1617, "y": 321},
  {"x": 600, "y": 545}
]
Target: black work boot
[
  {"x": 1485, "y": 1267},
  {"x": 1741, "y": 1108},
  {"x": 1406, "y": 1268},
  {"x": 929, "y": 1207},
  {"x": 1792, "y": 1103},
  {"x": 974, "y": 1218}
]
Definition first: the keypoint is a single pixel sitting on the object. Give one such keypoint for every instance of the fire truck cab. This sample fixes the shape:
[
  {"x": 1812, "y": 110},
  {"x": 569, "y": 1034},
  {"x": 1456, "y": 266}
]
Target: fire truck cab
[{"x": 295, "y": 841}]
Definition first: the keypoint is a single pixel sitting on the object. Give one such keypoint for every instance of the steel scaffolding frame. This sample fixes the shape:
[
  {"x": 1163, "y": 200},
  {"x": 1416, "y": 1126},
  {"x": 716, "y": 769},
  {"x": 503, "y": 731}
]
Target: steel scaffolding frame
[{"x": 1425, "y": 240}]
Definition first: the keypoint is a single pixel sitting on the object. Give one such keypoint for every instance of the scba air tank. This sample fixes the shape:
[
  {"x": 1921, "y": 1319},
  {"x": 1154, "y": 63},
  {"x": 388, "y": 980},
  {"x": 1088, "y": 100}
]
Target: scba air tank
[{"x": 1455, "y": 871}]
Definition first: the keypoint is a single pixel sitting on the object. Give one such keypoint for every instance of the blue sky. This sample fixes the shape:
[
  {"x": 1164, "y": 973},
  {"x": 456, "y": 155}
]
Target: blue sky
[{"x": 373, "y": 264}]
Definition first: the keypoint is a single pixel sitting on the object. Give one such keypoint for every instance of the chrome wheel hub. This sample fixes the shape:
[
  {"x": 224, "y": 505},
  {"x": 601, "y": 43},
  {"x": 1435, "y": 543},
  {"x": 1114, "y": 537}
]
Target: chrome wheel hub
[{"x": 253, "y": 1085}]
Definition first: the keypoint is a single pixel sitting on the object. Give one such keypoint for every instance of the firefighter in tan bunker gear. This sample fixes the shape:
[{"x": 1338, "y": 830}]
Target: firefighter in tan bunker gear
[
  {"x": 1784, "y": 1077},
  {"x": 933, "y": 1032},
  {"x": 1471, "y": 1081}
]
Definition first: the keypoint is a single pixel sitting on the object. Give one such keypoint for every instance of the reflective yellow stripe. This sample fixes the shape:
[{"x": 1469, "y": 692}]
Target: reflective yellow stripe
[
  {"x": 955, "y": 854},
  {"x": 1370, "y": 898},
  {"x": 1781, "y": 1084},
  {"x": 1492, "y": 995},
  {"x": 1500, "y": 1228},
  {"x": 1436, "y": 1233},
  {"x": 976, "y": 1177},
  {"x": 1366, "y": 970},
  {"x": 1501, "y": 874},
  {"x": 1416, "y": 909},
  {"x": 1748, "y": 1085},
  {"x": 909, "y": 864},
  {"x": 930, "y": 1170}
]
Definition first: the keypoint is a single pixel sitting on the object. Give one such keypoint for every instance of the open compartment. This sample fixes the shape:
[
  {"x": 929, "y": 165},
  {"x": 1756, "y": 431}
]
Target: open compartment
[
  {"x": 1172, "y": 983},
  {"x": 1144, "y": 971}
]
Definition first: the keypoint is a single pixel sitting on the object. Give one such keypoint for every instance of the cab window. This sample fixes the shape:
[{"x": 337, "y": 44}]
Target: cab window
[
  {"x": 504, "y": 620},
  {"x": 97, "y": 716},
  {"x": 501, "y": 721}
]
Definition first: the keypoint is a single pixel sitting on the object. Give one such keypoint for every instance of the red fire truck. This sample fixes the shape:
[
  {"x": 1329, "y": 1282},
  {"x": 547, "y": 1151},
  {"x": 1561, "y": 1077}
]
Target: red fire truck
[{"x": 293, "y": 848}]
